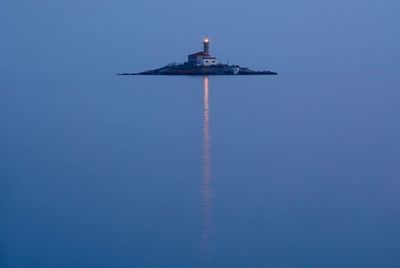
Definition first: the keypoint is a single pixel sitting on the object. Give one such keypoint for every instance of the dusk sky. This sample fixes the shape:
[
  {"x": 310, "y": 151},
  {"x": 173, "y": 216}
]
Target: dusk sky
[{"x": 42, "y": 37}]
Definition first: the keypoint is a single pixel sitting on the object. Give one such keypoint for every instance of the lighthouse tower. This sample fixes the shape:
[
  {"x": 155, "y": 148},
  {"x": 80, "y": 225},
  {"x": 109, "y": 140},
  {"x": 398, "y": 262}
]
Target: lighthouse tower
[
  {"x": 203, "y": 58},
  {"x": 206, "y": 44}
]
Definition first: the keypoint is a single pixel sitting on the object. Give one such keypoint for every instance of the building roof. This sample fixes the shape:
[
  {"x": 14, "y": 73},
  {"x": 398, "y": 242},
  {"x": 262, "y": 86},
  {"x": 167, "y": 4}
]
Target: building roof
[{"x": 200, "y": 54}]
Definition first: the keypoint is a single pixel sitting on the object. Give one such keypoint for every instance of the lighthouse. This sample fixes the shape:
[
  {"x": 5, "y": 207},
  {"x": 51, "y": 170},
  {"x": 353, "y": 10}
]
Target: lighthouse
[
  {"x": 203, "y": 58},
  {"x": 206, "y": 44}
]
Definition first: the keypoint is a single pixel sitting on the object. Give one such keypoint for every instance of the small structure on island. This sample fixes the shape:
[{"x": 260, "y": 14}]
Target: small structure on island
[
  {"x": 202, "y": 63},
  {"x": 203, "y": 58}
]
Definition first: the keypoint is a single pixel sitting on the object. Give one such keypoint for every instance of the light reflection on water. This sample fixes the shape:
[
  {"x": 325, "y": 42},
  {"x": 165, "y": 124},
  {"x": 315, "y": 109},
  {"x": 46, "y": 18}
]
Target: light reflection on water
[{"x": 206, "y": 189}]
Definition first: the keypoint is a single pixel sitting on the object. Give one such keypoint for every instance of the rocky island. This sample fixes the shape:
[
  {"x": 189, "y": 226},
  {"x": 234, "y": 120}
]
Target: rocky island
[{"x": 202, "y": 63}]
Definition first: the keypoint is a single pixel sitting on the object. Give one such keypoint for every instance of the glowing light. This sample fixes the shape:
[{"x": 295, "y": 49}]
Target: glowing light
[{"x": 206, "y": 40}]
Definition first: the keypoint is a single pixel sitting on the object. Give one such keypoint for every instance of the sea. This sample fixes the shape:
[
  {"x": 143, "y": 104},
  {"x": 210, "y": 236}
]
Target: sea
[{"x": 293, "y": 170}]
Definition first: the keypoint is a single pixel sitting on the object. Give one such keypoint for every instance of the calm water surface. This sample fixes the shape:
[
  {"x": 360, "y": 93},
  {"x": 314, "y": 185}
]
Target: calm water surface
[{"x": 284, "y": 171}]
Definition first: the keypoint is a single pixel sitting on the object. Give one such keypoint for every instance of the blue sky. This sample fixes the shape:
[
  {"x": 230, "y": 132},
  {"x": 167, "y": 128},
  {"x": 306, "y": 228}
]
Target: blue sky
[{"x": 45, "y": 36}]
